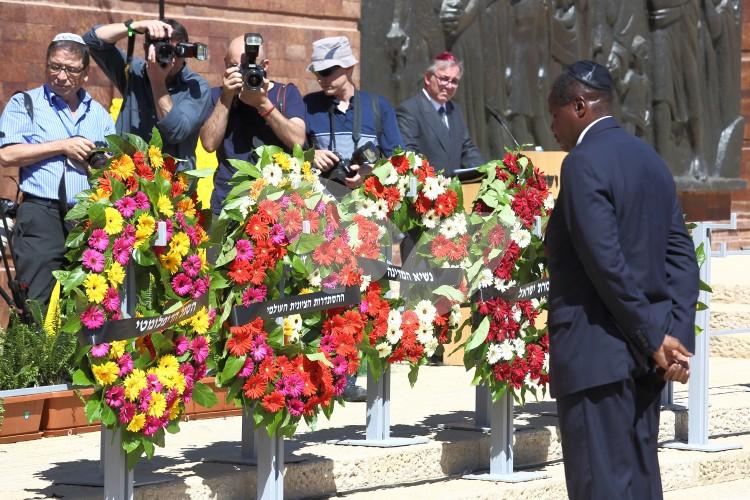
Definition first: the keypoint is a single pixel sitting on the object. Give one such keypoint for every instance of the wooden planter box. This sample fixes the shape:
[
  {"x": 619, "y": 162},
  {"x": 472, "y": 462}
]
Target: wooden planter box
[
  {"x": 23, "y": 412},
  {"x": 194, "y": 411},
  {"x": 64, "y": 414}
]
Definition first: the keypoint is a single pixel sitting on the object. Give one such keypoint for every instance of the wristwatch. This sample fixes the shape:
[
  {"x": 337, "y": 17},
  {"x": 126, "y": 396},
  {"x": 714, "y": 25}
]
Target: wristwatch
[{"x": 131, "y": 30}]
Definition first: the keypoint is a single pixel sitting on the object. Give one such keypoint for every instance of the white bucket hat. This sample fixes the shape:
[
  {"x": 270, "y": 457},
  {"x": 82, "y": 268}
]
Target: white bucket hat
[{"x": 330, "y": 52}]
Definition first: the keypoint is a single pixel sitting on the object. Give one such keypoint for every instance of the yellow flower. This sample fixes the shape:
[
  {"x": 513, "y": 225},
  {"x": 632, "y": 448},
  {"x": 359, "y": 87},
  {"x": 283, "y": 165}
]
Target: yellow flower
[
  {"x": 99, "y": 194},
  {"x": 158, "y": 404},
  {"x": 307, "y": 173},
  {"x": 169, "y": 363},
  {"x": 106, "y": 373},
  {"x": 256, "y": 187},
  {"x": 180, "y": 244},
  {"x": 282, "y": 160},
  {"x": 179, "y": 383},
  {"x": 204, "y": 260},
  {"x": 114, "y": 221},
  {"x": 96, "y": 287},
  {"x": 187, "y": 207},
  {"x": 170, "y": 261},
  {"x": 139, "y": 419},
  {"x": 134, "y": 384},
  {"x": 165, "y": 205},
  {"x": 174, "y": 411},
  {"x": 199, "y": 322},
  {"x": 145, "y": 228},
  {"x": 306, "y": 290},
  {"x": 122, "y": 167},
  {"x": 117, "y": 348},
  {"x": 154, "y": 157},
  {"x": 116, "y": 274}
]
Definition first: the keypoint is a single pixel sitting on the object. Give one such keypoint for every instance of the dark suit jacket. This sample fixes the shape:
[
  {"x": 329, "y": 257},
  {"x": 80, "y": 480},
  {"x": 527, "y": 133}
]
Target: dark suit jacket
[
  {"x": 623, "y": 271},
  {"x": 424, "y": 132}
]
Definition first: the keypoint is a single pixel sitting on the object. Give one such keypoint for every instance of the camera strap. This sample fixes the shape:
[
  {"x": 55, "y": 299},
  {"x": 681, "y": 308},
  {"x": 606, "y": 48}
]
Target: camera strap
[{"x": 357, "y": 129}]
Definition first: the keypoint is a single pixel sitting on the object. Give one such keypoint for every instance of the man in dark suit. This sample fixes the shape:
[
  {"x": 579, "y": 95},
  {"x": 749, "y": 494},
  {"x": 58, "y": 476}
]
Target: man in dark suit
[
  {"x": 623, "y": 290},
  {"x": 432, "y": 125}
]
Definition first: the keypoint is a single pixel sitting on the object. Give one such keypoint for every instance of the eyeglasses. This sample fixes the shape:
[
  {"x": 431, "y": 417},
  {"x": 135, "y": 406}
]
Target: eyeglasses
[
  {"x": 446, "y": 80},
  {"x": 324, "y": 73},
  {"x": 55, "y": 68}
]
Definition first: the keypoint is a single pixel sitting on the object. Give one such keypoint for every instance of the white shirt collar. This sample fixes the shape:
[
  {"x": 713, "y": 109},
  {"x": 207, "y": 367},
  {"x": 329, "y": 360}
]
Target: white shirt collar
[
  {"x": 434, "y": 103},
  {"x": 580, "y": 137}
]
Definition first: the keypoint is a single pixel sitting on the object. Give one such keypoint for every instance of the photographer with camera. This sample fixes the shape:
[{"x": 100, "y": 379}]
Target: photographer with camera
[
  {"x": 159, "y": 91},
  {"x": 249, "y": 110},
  {"x": 349, "y": 128},
  {"x": 50, "y": 133}
]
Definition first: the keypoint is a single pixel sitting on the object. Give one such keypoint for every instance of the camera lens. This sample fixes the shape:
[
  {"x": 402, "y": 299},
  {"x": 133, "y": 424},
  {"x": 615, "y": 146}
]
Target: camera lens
[{"x": 253, "y": 81}]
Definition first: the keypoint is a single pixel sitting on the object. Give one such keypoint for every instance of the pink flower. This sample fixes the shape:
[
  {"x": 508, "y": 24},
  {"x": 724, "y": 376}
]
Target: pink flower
[
  {"x": 247, "y": 368},
  {"x": 277, "y": 234},
  {"x": 292, "y": 386},
  {"x": 121, "y": 251},
  {"x": 326, "y": 343},
  {"x": 199, "y": 345},
  {"x": 181, "y": 345},
  {"x": 152, "y": 425},
  {"x": 253, "y": 295},
  {"x": 127, "y": 412},
  {"x": 153, "y": 382},
  {"x": 259, "y": 350},
  {"x": 340, "y": 365},
  {"x": 141, "y": 201},
  {"x": 115, "y": 396},
  {"x": 129, "y": 234},
  {"x": 170, "y": 229},
  {"x": 171, "y": 397},
  {"x": 93, "y": 260},
  {"x": 200, "y": 287},
  {"x": 182, "y": 285},
  {"x": 295, "y": 407},
  {"x": 339, "y": 385},
  {"x": 181, "y": 220},
  {"x": 192, "y": 265},
  {"x": 200, "y": 372},
  {"x": 92, "y": 318},
  {"x": 99, "y": 240},
  {"x": 284, "y": 201},
  {"x": 111, "y": 300},
  {"x": 187, "y": 369},
  {"x": 244, "y": 250},
  {"x": 125, "y": 363},
  {"x": 193, "y": 236},
  {"x": 144, "y": 400},
  {"x": 126, "y": 206},
  {"x": 100, "y": 350}
]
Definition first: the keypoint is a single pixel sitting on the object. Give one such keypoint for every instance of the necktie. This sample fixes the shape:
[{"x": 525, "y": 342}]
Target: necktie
[{"x": 443, "y": 116}]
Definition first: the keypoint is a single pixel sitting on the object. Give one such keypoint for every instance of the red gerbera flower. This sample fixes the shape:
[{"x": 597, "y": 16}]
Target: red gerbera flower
[
  {"x": 400, "y": 163},
  {"x": 256, "y": 228},
  {"x": 255, "y": 386},
  {"x": 273, "y": 402}
]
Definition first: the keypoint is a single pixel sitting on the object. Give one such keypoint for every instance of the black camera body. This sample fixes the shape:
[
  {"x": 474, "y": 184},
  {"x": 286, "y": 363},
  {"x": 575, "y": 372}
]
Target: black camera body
[
  {"x": 365, "y": 155},
  {"x": 98, "y": 157},
  {"x": 165, "y": 51},
  {"x": 252, "y": 74}
]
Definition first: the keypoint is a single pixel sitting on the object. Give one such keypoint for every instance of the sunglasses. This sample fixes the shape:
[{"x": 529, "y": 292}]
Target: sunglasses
[
  {"x": 324, "y": 73},
  {"x": 55, "y": 68}
]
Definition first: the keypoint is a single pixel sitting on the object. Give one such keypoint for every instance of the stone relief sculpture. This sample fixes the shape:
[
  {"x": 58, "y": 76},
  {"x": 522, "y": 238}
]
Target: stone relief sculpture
[{"x": 676, "y": 64}]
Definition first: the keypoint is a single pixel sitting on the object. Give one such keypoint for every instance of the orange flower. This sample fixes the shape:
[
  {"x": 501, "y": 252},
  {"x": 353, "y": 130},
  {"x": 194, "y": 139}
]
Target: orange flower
[
  {"x": 273, "y": 402},
  {"x": 268, "y": 369},
  {"x": 255, "y": 386}
]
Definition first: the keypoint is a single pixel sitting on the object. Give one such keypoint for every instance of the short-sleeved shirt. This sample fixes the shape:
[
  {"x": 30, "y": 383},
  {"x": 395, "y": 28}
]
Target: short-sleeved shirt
[
  {"x": 246, "y": 131},
  {"x": 53, "y": 121},
  {"x": 318, "y": 124},
  {"x": 190, "y": 94}
]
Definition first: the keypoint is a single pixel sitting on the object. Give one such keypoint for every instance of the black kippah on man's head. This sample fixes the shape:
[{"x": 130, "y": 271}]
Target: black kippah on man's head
[{"x": 591, "y": 74}]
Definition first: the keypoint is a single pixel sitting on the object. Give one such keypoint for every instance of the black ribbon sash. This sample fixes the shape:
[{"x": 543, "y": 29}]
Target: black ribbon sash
[
  {"x": 534, "y": 290},
  {"x": 299, "y": 304},
  {"x": 123, "y": 329},
  {"x": 452, "y": 276}
]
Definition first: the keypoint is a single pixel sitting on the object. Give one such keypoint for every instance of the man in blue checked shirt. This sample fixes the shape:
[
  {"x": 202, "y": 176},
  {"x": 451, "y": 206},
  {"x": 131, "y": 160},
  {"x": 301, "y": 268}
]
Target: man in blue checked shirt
[
  {"x": 49, "y": 133},
  {"x": 170, "y": 97}
]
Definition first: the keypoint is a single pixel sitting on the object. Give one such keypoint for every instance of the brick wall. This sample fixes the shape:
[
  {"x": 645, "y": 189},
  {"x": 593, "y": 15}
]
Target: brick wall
[{"x": 288, "y": 28}]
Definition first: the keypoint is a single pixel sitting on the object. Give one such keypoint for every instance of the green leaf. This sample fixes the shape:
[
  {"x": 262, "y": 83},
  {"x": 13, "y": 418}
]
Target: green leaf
[
  {"x": 318, "y": 356},
  {"x": 96, "y": 215},
  {"x": 93, "y": 410},
  {"x": 80, "y": 377},
  {"x": 479, "y": 335},
  {"x": 161, "y": 343},
  {"x": 312, "y": 201},
  {"x": 200, "y": 173},
  {"x": 705, "y": 286},
  {"x": 148, "y": 448},
  {"x": 307, "y": 243},
  {"x": 203, "y": 395},
  {"x": 79, "y": 211},
  {"x": 108, "y": 415},
  {"x": 450, "y": 292},
  {"x": 135, "y": 456},
  {"x": 139, "y": 143},
  {"x": 245, "y": 168},
  {"x": 119, "y": 145},
  {"x": 144, "y": 258},
  {"x": 413, "y": 374},
  {"x": 72, "y": 324},
  {"x": 233, "y": 365},
  {"x": 226, "y": 257},
  {"x": 173, "y": 427},
  {"x": 156, "y": 140}
]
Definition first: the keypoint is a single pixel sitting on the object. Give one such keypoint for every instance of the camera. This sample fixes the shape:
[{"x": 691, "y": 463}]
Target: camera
[
  {"x": 98, "y": 157},
  {"x": 367, "y": 154},
  {"x": 165, "y": 51},
  {"x": 252, "y": 74}
]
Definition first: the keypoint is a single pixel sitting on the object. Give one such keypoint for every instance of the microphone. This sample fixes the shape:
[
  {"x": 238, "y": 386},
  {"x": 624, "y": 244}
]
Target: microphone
[{"x": 502, "y": 123}]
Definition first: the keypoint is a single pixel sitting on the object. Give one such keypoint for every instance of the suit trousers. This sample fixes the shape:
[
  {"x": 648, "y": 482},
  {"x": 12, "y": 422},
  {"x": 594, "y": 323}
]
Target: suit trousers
[
  {"x": 38, "y": 248},
  {"x": 609, "y": 440}
]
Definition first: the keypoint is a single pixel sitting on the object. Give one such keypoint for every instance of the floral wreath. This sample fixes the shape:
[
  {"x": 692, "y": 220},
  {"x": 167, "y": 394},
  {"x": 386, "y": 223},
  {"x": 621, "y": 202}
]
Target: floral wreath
[
  {"x": 406, "y": 191},
  {"x": 140, "y": 384},
  {"x": 506, "y": 348},
  {"x": 282, "y": 232}
]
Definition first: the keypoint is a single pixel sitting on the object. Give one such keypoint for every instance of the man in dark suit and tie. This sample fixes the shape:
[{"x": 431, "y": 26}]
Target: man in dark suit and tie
[
  {"x": 623, "y": 291},
  {"x": 432, "y": 125}
]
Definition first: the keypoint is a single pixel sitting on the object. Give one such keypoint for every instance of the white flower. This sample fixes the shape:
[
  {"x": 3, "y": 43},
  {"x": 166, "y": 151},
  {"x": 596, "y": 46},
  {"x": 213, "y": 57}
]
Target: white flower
[
  {"x": 384, "y": 349},
  {"x": 549, "y": 202},
  {"x": 485, "y": 278},
  {"x": 366, "y": 208},
  {"x": 366, "y": 278},
  {"x": 244, "y": 207},
  {"x": 432, "y": 188},
  {"x": 444, "y": 181},
  {"x": 506, "y": 216},
  {"x": 425, "y": 333},
  {"x": 394, "y": 319},
  {"x": 455, "y": 317},
  {"x": 425, "y": 311},
  {"x": 535, "y": 303},
  {"x": 531, "y": 383},
  {"x": 494, "y": 354},
  {"x": 392, "y": 177},
  {"x": 545, "y": 364},
  {"x": 516, "y": 313},
  {"x": 506, "y": 350},
  {"x": 295, "y": 180},
  {"x": 521, "y": 236},
  {"x": 503, "y": 285},
  {"x": 314, "y": 278},
  {"x": 449, "y": 229},
  {"x": 430, "y": 219},
  {"x": 460, "y": 222},
  {"x": 403, "y": 185},
  {"x": 393, "y": 334},
  {"x": 519, "y": 346},
  {"x": 429, "y": 347},
  {"x": 273, "y": 174},
  {"x": 381, "y": 209}
]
